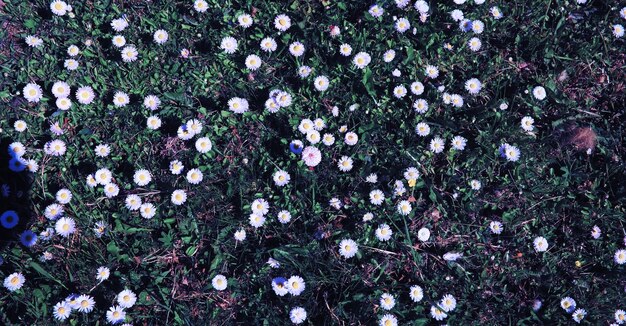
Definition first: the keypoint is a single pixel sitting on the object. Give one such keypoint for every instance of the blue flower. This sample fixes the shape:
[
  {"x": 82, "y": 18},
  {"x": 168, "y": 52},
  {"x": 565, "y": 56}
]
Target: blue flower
[
  {"x": 279, "y": 280},
  {"x": 466, "y": 25},
  {"x": 502, "y": 150},
  {"x": 17, "y": 165},
  {"x": 296, "y": 146},
  {"x": 9, "y": 219},
  {"x": 28, "y": 238}
]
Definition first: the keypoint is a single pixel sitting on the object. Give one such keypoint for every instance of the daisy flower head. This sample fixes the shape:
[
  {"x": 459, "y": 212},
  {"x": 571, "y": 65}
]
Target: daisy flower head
[
  {"x": 473, "y": 86},
  {"x": 404, "y": 207},
  {"x": 151, "y": 102},
  {"x": 383, "y": 232},
  {"x": 361, "y": 60},
  {"x": 511, "y": 153},
  {"x": 85, "y": 95},
  {"x": 32, "y": 92},
  {"x": 495, "y": 227},
  {"x": 61, "y": 310},
  {"x": 399, "y": 91},
  {"x": 437, "y": 145},
  {"x": 568, "y": 304},
  {"x": 416, "y": 293},
  {"x": 304, "y": 71},
  {"x": 402, "y": 25},
  {"x": 423, "y": 234},
  {"x": 70, "y": 64},
  {"x": 622, "y": 13},
  {"x": 474, "y": 44},
  {"x": 245, "y": 20},
  {"x": 297, "y": 315},
  {"x": 160, "y": 36},
  {"x": 65, "y": 226},
  {"x": 579, "y": 315},
  {"x": 345, "y": 164},
  {"x": 282, "y": 22},
  {"x": 153, "y": 122},
  {"x": 63, "y": 104},
  {"x": 281, "y": 178},
  {"x": 229, "y": 44},
  {"x": 376, "y": 11},
  {"x": 73, "y": 50},
  {"x": 63, "y": 196},
  {"x": 345, "y": 49},
  {"x": 447, "y": 303},
  {"x": 388, "y": 320},
  {"x": 179, "y": 197},
  {"x": 417, "y": 88},
  {"x": 618, "y": 30},
  {"x": 203, "y": 145},
  {"x": 368, "y": 217},
  {"x": 240, "y": 235},
  {"x": 348, "y": 248},
  {"x": 102, "y": 274},
  {"x": 620, "y": 257},
  {"x": 457, "y": 15},
  {"x": 311, "y": 156},
  {"x": 321, "y": 83},
  {"x": 129, "y": 53},
  {"x": 118, "y": 41},
  {"x": 596, "y": 232},
  {"x": 458, "y": 143},
  {"x": 279, "y": 285},
  {"x": 377, "y": 197},
  {"x": 194, "y": 176},
  {"x": 296, "y": 49},
  {"x": 420, "y": 106},
  {"x": 437, "y": 313},
  {"x": 268, "y": 44},
  {"x": 119, "y": 24},
  {"x": 496, "y": 12},
  {"x": 527, "y": 123},
  {"x": 351, "y": 138},
  {"x": 116, "y": 314},
  {"x": 387, "y": 301},
  {"x": 389, "y": 55},
  {"x": 411, "y": 173},
  {"x": 478, "y": 26},
  {"x": 58, "y": 7},
  {"x": 475, "y": 184},
  {"x": 260, "y": 206},
  {"x": 421, "y": 6},
  {"x": 133, "y": 202},
  {"x": 200, "y": 5},
  {"x": 253, "y": 62},
  {"x": 61, "y": 89},
  {"x": 85, "y": 303},
  {"x": 539, "y": 92},
  {"x": 20, "y": 125},
  {"x": 540, "y": 244},
  {"x": 238, "y": 105},
  {"x": 14, "y": 282},
  {"x": 142, "y": 177},
  {"x": 120, "y": 99},
  {"x": 432, "y": 71},
  {"x": 126, "y": 298},
  {"x": 295, "y": 285},
  {"x": 284, "y": 217},
  {"x": 422, "y": 129},
  {"x": 34, "y": 41},
  {"x": 111, "y": 190},
  {"x": 313, "y": 137},
  {"x": 147, "y": 210}
]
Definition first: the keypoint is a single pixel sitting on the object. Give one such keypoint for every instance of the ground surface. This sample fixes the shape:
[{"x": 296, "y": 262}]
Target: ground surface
[{"x": 554, "y": 182}]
